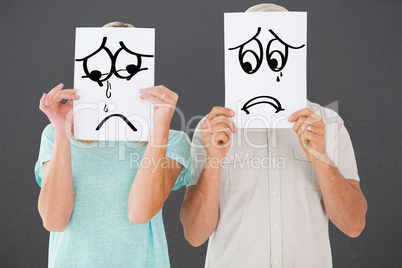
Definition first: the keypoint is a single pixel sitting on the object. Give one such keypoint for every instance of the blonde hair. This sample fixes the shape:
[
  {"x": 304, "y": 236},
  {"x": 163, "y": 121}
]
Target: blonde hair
[
  {"x": 110, "y": 24},
  {"x": 118, "y": 24},
  {"x": 266, "y": 8}
]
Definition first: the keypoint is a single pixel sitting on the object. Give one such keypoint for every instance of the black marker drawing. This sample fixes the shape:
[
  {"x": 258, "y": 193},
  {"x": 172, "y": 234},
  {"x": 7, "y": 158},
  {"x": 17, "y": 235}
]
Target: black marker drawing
[
  {"x": 96, "y": 75},
  {"x": 247, "y": 66},
  {"x": 108, "y": 88},
  {"x": 276, "y": 59},
  {"x": 266, "y": 99},
  {"x": 119, "y": 115}
]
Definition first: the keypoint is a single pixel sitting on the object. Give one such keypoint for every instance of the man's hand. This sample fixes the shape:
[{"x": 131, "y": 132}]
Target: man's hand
[
  {"x": 312, "y": 142},
  {"x": 217, "y": 131}
]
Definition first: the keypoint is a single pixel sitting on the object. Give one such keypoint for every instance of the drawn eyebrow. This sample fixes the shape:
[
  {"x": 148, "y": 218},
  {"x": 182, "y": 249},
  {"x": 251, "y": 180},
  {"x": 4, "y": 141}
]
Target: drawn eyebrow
[
  {"x": 102, "y": 46},
  {"x": 251, "y": 39},
  {"x": 280, "y": 40},
  {"x": 123, "y": 46}
]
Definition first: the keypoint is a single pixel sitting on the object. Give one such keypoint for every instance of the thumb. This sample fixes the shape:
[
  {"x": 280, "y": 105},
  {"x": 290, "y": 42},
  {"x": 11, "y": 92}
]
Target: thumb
[{"x": 69, "y": 103}]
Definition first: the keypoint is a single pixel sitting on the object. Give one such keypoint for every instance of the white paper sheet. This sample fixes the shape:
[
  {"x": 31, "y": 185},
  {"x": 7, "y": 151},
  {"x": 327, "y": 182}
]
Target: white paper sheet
[
  {"x": 109, "y": 80},
  {"x": 265, "y": 67}
]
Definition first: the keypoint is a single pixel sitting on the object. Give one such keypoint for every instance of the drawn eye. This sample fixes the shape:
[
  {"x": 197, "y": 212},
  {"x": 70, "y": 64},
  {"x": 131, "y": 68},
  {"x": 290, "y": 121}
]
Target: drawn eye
[
  {"x": 250, "y": 60},
  {"x": 97, "y": 68},
  {"x": 129, "y": 64},
  {"x": 93, "y": 64},
  {"x": 250, "y": 54},
  {"x": 276, "y": 55}
]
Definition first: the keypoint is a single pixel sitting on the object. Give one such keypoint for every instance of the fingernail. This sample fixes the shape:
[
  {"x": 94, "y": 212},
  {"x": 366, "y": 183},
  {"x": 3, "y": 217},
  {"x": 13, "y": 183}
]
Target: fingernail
[
  {"x": 290, "y": 118},
  {"x": 232, "y": 113},
  {"x": 60, "y": 84}
]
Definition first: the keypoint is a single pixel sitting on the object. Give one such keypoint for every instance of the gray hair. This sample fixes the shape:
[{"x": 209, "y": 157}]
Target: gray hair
[{"x": 266, "y": 8}]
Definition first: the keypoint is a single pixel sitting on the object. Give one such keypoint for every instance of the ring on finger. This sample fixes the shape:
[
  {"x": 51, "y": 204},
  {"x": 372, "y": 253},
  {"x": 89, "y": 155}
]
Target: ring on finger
[
  {"x": 162, "y": 96},
  {"x": 309, "y": 127}
]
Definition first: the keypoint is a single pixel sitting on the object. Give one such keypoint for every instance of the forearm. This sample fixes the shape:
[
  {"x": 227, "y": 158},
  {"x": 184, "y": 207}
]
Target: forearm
[
  {"x": 56, "y": 198},
  {"x": 345, "y": 205},
  {"x": 200, "y": 211},
  {"x": 147, "y": 194}
]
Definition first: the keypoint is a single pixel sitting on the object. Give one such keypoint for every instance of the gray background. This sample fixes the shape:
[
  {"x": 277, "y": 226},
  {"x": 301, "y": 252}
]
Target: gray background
[{"x": 353, "y": 55}]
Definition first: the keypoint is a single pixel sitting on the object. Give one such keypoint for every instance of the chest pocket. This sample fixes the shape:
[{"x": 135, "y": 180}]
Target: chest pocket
[
  {"x": 305, "y": 175},
  {"x": 237, "y": 170}
]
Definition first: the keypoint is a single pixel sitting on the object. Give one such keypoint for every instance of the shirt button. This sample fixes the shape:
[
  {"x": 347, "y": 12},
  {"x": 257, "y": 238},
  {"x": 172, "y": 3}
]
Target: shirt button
[
  {"x": 231, "y": 158},
  {"x": 276, "y": 261},
  {"x": 275, "y": 191},
  {"x": 273, "y": 160},
  {"x": 276, "y": 225}
]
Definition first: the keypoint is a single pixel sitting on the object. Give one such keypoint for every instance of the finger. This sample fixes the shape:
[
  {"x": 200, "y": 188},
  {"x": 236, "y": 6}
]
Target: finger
[
  {"x": 313, "y": 119},
  {"x": 165, "y": 99},
  {"x": 69, "y": 103},
  {"x": 220, "y": 139},
  {"x": 310, "y": 136},
  {"x": 298, "y": 123},
  {"x": 315, "y": 129},
  {"x": 42, "y": 103},
  {"x": 219, "y": 127},
  {"x": 54, "y": 91},
  {"x": 220, "y": 111},
  {"x": 158, "y": 91},
  {"x": 152, "y": 99},
  {"x": 65, "y": 95},
  {"x": 229, "y": 123},
  {"x": 303, "y": 112}
]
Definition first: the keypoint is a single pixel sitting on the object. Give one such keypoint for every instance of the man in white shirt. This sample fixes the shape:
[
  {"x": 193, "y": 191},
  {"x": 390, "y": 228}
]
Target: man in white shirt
[{"x": 265, "y": 201}]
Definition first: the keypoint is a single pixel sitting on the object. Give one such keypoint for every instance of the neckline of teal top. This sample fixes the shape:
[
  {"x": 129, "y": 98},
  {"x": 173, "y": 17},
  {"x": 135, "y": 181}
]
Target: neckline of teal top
[{"x": 107, "y": 143}]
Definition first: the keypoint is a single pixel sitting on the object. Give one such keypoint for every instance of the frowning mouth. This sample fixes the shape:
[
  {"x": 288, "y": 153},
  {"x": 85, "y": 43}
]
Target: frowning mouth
[
  {"x": 118, "y": 115},
  {"x": 260, "y": 100}
]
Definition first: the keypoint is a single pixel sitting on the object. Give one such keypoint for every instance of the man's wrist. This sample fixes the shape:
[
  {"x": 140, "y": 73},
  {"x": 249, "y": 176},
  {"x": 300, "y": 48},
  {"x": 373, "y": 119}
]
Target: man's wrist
[
  {"x": 321, "y": 160},
  {"x": 214, "y": 162}
]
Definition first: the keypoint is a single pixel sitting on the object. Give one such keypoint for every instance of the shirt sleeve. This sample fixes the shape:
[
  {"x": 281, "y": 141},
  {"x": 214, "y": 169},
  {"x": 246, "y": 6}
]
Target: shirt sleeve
[
  {"x": 346, "y": 156},
  {"x": 179, "y": 151},
  {"x": 198, "y": 155},
  {"x": 339, "y": 145},
  {"x": 45, "y": 152}
]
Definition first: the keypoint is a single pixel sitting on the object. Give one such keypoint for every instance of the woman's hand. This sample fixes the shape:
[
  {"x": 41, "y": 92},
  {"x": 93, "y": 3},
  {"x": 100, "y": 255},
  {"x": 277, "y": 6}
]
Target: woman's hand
[
  {"x": 164, "y": 101},
  {"x": 60, "y": 115}
]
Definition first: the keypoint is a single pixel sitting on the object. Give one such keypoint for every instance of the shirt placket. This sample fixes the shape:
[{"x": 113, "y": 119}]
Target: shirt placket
[{"x": 275, "y": 201}]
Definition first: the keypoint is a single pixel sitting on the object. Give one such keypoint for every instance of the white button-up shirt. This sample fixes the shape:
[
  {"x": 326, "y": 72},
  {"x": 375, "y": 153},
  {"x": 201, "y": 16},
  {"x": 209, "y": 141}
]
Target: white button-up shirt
[{"x": 271, "y": 211}]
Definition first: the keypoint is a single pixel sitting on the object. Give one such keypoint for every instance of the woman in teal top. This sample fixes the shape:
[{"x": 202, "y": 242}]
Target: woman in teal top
[{"x": 102, "y": 201}]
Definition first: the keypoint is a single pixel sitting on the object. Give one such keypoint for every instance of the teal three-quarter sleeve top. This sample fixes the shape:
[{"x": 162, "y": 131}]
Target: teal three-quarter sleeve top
[{"x": 99, "y": 233}]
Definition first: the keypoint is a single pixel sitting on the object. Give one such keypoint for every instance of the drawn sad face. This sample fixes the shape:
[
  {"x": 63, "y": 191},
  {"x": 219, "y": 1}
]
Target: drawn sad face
[
  {"x": 265, "y": 67},
  {"x": 125, "y": 73},
  {"x": 111, "y": 65},
  {"x": 275, "y": 55}
]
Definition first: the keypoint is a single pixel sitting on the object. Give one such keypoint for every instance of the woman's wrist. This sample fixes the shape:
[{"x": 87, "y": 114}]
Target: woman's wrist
[
  {"x": 61, "y": 137},
  {"x": 160, "y": 135}
]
